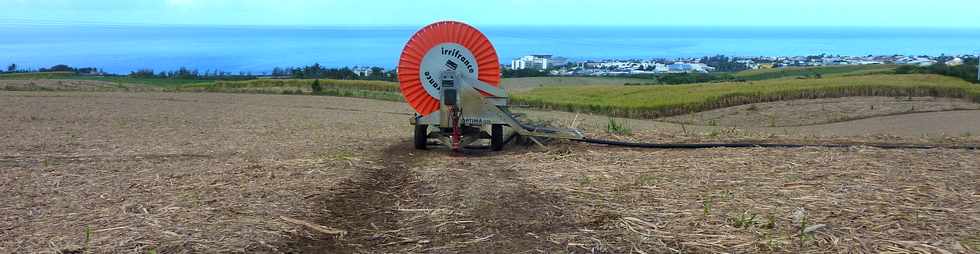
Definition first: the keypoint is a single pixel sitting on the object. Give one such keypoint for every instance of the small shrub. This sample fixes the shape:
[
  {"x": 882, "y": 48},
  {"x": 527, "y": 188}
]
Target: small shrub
[
  {"x": 617, "y": 127},
  {"x": 743, "y": 220},
  {"x": 772, "y": 244},
  {"x": 88, "y": 239},
  {"x": 803, "y": 221},
  {"x": 317, "y": 89},
  {"x": 770, "y": 222},
  {"x": 714, "y": 134},
  {"x": 706, "y": 206},
  {"x": 646, "y": 180}
]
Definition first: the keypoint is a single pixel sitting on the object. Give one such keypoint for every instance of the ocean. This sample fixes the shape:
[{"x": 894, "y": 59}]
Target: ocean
[{"x": 121, "y": 49}]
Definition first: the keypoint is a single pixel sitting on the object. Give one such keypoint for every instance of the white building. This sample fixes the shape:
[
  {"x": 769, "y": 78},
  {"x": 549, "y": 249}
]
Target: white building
[
  {"x": 658, "y": 67},
  {"x": 955, "y": 62},
  {"x": 540, "y": 62},
  {"x": 690, "y": 67},
  {"x": 920, "y": 61},
  {"x": 923, "y": 62},
  {"x": 362, "y": 71}
]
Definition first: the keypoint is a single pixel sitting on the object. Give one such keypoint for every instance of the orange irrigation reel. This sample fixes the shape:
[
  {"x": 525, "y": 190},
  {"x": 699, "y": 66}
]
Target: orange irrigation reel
[
  {"x": 442, "y": 46},
  {"x": 450, "y": 74}
]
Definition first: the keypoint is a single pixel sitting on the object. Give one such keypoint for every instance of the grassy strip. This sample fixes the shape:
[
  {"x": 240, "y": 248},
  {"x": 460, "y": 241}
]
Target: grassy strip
[
  {"x": 380, "y": 86},
  {"x": 66, "y": 75},
  {"x": 661, "y": 101},
  {"x": 385, "y": 96},
  {"x": 157, "y": 82},
  {"x": 827, "y": 71},
  {"x": 38, "y": 75},
  {"x": 379, "y": 90}
]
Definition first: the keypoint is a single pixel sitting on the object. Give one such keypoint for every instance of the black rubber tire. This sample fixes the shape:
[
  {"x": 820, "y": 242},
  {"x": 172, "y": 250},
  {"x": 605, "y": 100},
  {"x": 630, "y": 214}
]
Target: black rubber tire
[
  {"x": 496, "y": 137},
  {"x": 421, "y": 136}
]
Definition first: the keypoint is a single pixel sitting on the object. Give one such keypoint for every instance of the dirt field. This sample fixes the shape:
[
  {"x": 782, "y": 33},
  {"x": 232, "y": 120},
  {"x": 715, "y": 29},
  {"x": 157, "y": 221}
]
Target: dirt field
[
  {"x": 949, "y": 127},
  {"x": 820, "y": 111},
  {"x": 181, "y": 173},
  {"x": 70, "y": 85}
]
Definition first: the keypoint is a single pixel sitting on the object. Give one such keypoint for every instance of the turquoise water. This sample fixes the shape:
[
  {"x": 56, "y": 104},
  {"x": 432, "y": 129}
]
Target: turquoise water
[{"x": 120, "y": 49}]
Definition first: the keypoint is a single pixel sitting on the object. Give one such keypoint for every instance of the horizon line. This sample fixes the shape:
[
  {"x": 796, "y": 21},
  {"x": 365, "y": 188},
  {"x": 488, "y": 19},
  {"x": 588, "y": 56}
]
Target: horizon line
[{"x": 48, "y": 22}]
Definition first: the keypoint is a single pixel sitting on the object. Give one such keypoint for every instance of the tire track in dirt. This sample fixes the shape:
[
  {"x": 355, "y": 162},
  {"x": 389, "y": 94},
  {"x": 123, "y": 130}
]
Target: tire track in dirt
[
  {"x": 365, "y": 207},
  {"x": 409, "y": 205}
]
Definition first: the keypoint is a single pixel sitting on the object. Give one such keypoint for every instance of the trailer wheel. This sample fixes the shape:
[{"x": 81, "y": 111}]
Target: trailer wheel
[
  {"x": 421, "y": 136},
  {"x": 496, "y": 137}
]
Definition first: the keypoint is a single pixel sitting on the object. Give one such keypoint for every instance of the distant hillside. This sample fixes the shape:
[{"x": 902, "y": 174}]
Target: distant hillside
[{"x": 825, "y": 71}]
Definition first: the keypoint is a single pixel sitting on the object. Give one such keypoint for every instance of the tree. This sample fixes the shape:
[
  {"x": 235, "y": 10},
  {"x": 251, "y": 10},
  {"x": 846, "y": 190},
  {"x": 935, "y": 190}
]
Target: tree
[
  {"x": 523, "y": 73},
  {"x": 377, "y": 73},
  {"x": 964, "y": 71},
  {"x": 317, "y": 89},
  {"x": 906, "y": 69},
  {"x": 12, "y": 68},
  {"x": 61, "y": 67},
  {"x": 723, "y": 63},
  {"x": 144, "y": 73}
]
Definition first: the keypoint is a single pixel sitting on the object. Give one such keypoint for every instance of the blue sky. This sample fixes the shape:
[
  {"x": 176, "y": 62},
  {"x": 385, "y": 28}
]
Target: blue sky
[{"x": 875, "y": 13}]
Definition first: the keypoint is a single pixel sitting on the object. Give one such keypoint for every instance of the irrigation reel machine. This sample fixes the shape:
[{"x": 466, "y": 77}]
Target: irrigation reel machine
[{"x": 450, "y": 74}]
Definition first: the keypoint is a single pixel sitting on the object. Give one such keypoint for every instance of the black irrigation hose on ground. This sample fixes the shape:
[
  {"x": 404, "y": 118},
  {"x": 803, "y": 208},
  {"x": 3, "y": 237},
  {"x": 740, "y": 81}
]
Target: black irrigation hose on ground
[{"x": 763, "y": 145}]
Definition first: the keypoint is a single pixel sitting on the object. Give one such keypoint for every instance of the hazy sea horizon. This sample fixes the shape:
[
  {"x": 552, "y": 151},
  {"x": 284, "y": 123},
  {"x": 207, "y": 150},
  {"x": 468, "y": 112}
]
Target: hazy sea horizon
[{"x": 258, "y": 49}]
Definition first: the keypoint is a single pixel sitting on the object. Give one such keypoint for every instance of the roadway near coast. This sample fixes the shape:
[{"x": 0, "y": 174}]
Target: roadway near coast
[{"x": 204, "y": 172}]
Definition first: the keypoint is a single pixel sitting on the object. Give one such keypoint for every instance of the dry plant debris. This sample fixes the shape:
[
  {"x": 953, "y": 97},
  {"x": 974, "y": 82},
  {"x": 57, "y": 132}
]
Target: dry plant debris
[{"x": 187, "y": 173}]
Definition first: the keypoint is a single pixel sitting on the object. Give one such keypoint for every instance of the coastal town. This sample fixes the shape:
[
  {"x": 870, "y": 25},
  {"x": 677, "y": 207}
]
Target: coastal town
[
  {"x": 551, "y": 65},
  {"x": 561, "y": 66}
]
